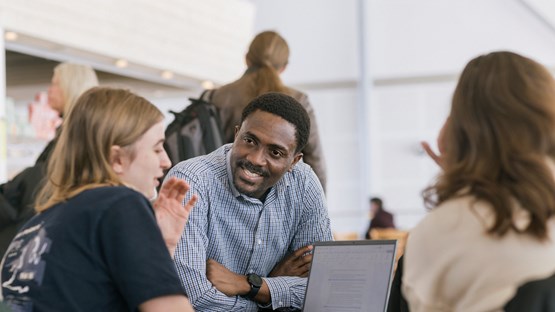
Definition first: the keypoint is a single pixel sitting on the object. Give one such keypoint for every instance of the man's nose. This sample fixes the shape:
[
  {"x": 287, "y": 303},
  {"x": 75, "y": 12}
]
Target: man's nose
[{"x": 257, "y": 157}]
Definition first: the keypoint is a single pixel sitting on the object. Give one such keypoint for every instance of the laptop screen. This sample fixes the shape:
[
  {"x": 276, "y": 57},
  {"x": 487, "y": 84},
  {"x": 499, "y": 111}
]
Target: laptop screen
[{"x": 350, "y": 276}]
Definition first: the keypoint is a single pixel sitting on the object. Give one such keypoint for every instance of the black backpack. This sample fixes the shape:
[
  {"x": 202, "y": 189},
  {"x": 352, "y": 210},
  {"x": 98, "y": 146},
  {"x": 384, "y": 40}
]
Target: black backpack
[{"x": 195, "y": 131}]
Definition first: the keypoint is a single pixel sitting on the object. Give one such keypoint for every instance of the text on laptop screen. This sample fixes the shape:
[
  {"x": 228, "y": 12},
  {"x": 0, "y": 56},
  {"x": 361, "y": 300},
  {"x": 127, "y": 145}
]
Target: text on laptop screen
[{"x": 350, "y": 276}]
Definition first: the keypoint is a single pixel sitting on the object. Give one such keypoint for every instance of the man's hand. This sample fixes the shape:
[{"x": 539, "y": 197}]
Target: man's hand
[
  {"x": 295, "y": 264},
  {"x": 171, "y": 215},
  {"x": 226, "y": 281}
]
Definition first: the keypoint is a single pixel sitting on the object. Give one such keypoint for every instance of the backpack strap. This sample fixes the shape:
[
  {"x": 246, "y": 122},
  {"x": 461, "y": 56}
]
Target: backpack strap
[{"x": 207, "y": 95}]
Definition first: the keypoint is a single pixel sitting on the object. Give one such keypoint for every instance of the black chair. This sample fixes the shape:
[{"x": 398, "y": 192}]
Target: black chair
[
  {"x": 397, "y": 302},
  {"x": 534, "y": 296}
]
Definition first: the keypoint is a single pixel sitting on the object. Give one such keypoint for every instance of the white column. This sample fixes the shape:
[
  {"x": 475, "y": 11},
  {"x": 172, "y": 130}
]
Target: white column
[{"x": 365, "y": 84}]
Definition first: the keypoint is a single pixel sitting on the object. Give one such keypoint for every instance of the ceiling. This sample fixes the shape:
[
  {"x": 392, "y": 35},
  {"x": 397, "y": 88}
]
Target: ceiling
[{"x": 27, "y": 74}]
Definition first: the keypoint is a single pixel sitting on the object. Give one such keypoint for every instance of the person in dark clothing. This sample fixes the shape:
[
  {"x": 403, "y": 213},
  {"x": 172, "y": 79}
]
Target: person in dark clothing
[
  {"x": 103, "y": 239},
  {"x": 381, "y": 219},
  {"x": 18, "y": 195}
]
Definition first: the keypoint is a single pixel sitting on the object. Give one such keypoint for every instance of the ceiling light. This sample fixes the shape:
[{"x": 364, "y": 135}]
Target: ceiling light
[
  {"x": 121, "y": 63},
  {"x": 10, "y": 36},
  {"x": 207, "y": 84},
  {"x": 166, "y": 74}
]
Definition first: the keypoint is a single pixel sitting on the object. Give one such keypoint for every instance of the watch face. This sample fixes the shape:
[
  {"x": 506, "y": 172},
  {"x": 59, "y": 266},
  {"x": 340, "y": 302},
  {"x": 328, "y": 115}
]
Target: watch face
[{"x": 254, "y": 280}]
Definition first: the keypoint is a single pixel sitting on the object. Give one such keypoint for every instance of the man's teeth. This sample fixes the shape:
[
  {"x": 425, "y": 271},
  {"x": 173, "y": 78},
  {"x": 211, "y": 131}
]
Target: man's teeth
[{"x": 251, "y": 174}]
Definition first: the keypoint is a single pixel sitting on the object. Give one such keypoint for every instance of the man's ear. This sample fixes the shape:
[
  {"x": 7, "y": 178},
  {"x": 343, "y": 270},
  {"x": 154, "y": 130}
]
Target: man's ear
[
  {"x": 236, "y": 132},
  {"x": 296, "y": 159},
  {"x": 117, "y": 159}
]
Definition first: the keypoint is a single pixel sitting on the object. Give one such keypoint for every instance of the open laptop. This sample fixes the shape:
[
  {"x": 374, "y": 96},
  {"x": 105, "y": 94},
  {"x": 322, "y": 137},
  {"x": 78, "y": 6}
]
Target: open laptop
[{"x": 353, "y": 276}]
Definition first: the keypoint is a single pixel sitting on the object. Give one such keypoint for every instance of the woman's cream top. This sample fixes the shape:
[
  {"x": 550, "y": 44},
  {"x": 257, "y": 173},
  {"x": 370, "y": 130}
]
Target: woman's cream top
[{"x": 452, "y": 264}]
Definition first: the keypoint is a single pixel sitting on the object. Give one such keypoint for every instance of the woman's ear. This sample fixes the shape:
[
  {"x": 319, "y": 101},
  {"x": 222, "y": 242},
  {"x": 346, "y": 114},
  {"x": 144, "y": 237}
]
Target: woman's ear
[{"x": 117, "y": 159}]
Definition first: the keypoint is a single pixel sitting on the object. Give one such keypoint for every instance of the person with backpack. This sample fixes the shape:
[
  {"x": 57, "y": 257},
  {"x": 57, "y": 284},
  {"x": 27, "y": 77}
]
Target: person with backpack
[
  {"x": 266, "y": 59},
  {"x": 17, "y": 196}
]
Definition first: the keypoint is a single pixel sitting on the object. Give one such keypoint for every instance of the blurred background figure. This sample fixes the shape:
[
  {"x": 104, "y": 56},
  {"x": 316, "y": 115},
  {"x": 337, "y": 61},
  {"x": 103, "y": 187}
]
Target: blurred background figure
[
  {"x": 266, "y": 59},
  {"x": 381, "y": 219},
  {"x": 17, "y": 196}
]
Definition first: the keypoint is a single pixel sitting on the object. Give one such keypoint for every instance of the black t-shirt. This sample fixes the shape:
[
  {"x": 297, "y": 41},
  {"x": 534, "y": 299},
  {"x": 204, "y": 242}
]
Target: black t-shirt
[{"x": 99, "y": 251}]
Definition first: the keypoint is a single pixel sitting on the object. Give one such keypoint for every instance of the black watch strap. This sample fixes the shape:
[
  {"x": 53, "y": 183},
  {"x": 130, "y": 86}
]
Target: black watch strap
[{"x": 256, "y": 283}]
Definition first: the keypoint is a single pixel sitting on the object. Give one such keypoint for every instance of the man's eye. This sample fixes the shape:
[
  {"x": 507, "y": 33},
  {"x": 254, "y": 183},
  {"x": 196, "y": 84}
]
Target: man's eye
[{"x": 277, "y": 153}]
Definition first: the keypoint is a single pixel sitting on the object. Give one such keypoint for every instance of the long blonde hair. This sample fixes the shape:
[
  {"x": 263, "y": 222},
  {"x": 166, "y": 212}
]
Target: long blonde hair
[
  {"x": 499, "y": 139},
  {"x": 101, "y": 118},
  {"x": 74, "y": 79},
  {"x": 268, "y": 55}
]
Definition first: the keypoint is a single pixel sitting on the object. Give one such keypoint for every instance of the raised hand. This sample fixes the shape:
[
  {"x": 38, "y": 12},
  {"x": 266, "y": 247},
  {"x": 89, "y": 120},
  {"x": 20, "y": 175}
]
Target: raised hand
[
  {"x": 171, "y": 215},
  {"x": 428, "y": 149},
  {"x": 441, "y": 144}
]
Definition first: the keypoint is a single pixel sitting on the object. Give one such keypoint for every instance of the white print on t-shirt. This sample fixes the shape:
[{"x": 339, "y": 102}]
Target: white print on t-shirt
[{"x": 24, "y": 260}]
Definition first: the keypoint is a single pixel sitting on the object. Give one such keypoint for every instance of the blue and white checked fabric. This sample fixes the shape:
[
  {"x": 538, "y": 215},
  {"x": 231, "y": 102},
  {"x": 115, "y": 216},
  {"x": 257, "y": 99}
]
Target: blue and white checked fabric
[{"x": 244, "y": 234}]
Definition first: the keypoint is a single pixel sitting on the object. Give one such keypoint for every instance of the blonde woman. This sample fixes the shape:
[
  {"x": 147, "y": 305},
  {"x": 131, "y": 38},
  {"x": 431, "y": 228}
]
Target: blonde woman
[
  {"x": 69, "y": 81},
  {"x": 266, "y": 59},
  {"x": 96, "y": 243},
  {"x": 491, "y": 227}
]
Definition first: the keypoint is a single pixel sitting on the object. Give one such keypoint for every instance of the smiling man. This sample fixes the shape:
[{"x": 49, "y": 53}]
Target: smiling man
[{"x": 247, "y": 244}]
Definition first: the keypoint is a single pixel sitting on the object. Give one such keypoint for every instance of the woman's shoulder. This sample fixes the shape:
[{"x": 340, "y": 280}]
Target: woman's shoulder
[
  {"x": 462, "y": 213},
  {"x": 110, "y": 192},
  {"x": 104, "y": 197},
  {"x": 298, "y": 95}
]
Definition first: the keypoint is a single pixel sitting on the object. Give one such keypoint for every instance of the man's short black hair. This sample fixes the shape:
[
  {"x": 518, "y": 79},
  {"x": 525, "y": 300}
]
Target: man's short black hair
[{"x": 286, "y": 107}]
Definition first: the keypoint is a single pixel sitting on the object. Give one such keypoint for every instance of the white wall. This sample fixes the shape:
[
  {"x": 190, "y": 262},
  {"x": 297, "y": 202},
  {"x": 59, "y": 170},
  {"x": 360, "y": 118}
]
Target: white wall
[
  {"x": 196, "y": 39},
  {"x": 416, "y": 51}
]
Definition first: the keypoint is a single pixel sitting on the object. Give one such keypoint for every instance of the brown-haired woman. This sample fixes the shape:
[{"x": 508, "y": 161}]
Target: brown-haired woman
[{"x": 491, "y": 227}]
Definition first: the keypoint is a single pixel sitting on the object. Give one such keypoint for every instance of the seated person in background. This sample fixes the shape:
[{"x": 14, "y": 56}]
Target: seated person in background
[
  {"x": 381, "y": 219},
  {"x": 95, "y": 244},
  {"x": 492, "y": 226},
  {"x": 248, "y": 240}
]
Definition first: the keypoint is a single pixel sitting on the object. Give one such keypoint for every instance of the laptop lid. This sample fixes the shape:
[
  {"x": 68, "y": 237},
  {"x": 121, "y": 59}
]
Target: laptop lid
[{"x": 353, "y": 276}]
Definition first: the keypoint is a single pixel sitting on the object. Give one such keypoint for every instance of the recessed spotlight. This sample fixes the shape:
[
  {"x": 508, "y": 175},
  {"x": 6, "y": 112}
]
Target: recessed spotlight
[
  {"x": 207, "y": 84},
  {"x": 166, "y": 74},
  {"x": 121, "y": 63},
  {"x": 10, "y": 36}
]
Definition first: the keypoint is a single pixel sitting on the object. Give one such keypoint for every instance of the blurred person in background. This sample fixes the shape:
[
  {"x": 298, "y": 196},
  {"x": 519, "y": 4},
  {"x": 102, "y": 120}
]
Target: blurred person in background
[
  {"x": 266, "y": 59},
  {"x": 381, "y": 219},
  {"x": 17, "y": 196}
]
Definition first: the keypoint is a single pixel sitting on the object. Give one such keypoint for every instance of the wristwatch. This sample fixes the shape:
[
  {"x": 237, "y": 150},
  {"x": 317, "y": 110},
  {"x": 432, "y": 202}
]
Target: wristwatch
[{"x": 256, "y": 282}]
